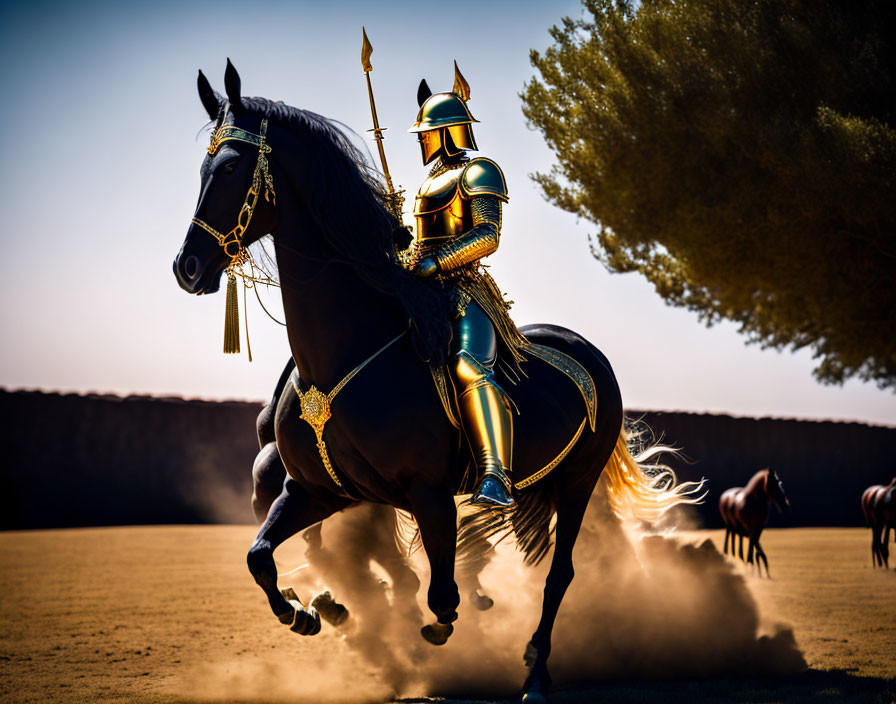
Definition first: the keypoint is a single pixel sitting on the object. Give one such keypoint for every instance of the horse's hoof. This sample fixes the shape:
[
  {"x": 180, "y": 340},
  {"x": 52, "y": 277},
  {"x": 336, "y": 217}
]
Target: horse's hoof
[
  {"x": 480, "y": 601},
  {"x": 306, "y": 623},
  {"x": 535, "y": 689},
  {"x": 330, "y": 610},
  {"x": 437, "y": 633}
]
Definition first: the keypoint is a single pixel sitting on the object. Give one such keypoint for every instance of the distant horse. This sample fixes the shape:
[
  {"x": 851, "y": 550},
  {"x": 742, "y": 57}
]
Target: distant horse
[
  {"x": 388, "y": 438},
  {"x": 373, "y": 525},
  {"x": 745, "y": 512},
  {"x": 879, "y": 507}
]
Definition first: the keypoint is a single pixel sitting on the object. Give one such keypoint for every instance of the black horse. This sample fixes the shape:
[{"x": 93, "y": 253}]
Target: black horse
[{"x": 390, "y": 441}]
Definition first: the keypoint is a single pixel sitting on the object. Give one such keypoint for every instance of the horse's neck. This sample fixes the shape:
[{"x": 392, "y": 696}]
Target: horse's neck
[
  {"x": 334, "y": 320},
  {"x": 756, "y": 487}
]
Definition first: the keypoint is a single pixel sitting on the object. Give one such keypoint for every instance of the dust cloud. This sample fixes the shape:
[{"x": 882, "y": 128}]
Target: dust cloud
[
  {"x": 203, "y": 491},
  {"x": 643, "y": 605}
]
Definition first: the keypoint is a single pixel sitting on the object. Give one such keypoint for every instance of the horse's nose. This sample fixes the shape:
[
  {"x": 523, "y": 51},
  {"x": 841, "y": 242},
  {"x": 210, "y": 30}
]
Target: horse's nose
[
  {"x": 191, "y": 267},
  {"x": 187, "y": 272}
]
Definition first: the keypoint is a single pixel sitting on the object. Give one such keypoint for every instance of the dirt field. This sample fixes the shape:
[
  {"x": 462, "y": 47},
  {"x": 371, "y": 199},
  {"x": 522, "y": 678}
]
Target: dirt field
[{"x": 170, "y": 614}]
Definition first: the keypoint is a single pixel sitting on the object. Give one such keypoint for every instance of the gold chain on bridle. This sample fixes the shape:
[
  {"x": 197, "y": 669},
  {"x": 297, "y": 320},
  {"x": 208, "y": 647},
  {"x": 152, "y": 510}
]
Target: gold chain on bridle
[{"x": 241, "y": 262}]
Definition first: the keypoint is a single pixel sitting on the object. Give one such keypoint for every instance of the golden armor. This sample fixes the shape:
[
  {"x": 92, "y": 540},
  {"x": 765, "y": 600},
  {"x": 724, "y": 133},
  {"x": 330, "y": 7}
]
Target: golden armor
[{"x": 458, "y": 217}]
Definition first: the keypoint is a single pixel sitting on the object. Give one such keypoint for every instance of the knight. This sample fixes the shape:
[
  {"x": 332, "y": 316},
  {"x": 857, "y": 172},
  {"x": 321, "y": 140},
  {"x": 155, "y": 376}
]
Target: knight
[{"x": 458, "y": 223}]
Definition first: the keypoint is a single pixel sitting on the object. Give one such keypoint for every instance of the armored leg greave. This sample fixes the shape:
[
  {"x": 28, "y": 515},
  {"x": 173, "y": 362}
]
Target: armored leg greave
[{"x": 484, "y": 408}]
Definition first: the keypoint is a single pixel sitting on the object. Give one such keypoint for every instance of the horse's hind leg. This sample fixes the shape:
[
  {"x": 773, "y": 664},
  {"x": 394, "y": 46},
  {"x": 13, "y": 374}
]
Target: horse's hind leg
[
  {"x": 571, "y": 505},
  {"x": 727, "y": 534},
  {"x": 740, "y": 539},
  {"x": 477, "y": 554},
  {"x": 436, "y": 515},
  {"x": 761, "y": 559},
  {"x": 293, "y": 511},
  {"x": 384, "y": 550}
]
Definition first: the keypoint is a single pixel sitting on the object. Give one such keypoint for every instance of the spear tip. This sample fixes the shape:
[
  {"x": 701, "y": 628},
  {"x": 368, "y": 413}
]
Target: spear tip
[{"x": 366, "y": 51}]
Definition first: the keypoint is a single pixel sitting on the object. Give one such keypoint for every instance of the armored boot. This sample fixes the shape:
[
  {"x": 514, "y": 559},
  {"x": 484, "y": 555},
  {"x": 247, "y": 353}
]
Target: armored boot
[{"x": 488, "y": 424}]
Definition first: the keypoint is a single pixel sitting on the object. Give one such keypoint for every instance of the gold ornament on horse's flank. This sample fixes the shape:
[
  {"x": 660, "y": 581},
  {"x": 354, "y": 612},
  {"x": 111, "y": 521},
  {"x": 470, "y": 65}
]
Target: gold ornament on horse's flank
[{"x": 232, "y": 242}]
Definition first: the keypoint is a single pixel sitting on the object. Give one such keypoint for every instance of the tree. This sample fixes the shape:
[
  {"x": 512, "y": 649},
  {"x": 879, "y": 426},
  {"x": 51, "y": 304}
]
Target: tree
[{"x": 740, "y": 154}]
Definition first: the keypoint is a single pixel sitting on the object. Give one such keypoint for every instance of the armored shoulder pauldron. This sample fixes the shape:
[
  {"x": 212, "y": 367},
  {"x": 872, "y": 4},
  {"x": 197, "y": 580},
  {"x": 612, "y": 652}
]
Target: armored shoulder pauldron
[{"x": 443, "y": 207}]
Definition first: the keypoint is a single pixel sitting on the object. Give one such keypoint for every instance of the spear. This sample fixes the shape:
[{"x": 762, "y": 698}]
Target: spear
[{"x": 395, "y": 198}]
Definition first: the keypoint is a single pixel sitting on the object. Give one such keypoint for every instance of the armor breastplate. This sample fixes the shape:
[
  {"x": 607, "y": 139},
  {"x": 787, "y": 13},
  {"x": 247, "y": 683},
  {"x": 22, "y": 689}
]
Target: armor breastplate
[{"x": 440, "y": 209}]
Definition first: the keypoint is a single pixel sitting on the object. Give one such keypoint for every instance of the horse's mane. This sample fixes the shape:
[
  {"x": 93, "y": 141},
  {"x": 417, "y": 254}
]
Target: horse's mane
[{"x": 344, "y": 196}]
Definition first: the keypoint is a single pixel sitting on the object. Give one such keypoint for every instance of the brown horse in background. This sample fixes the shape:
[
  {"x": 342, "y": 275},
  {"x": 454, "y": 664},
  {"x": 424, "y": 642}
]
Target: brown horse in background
[
  {"x": 745, "y": 512},
  {"x": 879, "y": 507}
]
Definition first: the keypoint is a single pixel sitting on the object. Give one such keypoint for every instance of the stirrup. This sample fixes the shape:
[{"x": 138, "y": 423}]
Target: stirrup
[{"x": 494, "y": 493}]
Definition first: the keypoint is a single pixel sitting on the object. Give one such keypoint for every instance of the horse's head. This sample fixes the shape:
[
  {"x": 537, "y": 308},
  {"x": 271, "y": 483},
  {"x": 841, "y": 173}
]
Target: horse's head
[
  {"x": 775, "y": 491},
  {"x": 236, "y": 196}
]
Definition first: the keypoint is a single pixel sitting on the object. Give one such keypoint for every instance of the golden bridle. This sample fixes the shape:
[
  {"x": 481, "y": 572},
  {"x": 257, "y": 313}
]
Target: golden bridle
[{"x": 232, "y": 242}]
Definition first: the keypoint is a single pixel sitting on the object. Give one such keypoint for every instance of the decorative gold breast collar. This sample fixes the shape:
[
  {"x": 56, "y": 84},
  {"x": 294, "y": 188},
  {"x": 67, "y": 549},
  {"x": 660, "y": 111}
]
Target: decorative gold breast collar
[{"x": 316, "y": 405}]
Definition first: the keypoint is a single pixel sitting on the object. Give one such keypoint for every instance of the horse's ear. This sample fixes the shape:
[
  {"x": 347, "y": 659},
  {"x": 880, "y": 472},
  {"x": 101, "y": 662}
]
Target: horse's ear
[
  {"x": 211, "y": 101},
  {"x": 232, "y": 85},
  {"x": 423, "y": 92}
]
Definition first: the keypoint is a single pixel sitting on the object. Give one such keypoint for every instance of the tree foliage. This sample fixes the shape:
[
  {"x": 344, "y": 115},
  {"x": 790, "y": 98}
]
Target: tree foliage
[{"x": 740, "y": 154}]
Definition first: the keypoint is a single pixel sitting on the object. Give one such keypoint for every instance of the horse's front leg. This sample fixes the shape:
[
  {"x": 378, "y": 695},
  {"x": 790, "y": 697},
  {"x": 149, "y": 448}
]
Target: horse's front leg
[
  {"x": 294, "y": 510},
  {"x": 436, "y": 516},
  {"x": 876, "y": 557},
  {"x": 268, "y": 474},
  {"x": 885, "y": 546},
  {"x": 761, "y": 559}
]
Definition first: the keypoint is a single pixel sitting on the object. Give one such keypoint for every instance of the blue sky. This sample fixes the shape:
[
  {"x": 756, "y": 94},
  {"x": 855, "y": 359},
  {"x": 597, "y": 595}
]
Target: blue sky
[{"x": 100, "y": 175}]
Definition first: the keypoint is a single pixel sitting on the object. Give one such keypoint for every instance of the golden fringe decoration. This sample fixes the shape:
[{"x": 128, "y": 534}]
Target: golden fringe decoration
[
  {"x": 633, "y": 493},
  {"x": 246, "y": 320},
  {"x": 231, "y": 318}
]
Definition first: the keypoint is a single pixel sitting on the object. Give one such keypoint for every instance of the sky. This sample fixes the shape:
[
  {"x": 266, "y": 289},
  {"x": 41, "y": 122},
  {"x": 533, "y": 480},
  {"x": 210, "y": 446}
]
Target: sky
[{"x": 102, "y": 138}]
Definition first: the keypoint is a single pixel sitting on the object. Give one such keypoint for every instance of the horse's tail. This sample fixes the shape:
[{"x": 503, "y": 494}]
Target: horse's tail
[{"x": 642, "y": 490}]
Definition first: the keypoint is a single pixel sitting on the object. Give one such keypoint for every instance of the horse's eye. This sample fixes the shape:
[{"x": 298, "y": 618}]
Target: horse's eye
[{"x": 229, "y": 166}]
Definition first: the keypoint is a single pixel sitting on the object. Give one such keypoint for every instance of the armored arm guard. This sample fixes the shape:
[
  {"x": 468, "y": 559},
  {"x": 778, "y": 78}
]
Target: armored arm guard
[
  {"x": 479, "y": 242},
  {"x": 482, "y": 183}
]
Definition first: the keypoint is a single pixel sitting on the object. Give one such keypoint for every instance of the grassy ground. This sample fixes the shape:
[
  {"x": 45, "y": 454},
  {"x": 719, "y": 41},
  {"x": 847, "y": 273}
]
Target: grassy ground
[{"x": 169, "y": 614}]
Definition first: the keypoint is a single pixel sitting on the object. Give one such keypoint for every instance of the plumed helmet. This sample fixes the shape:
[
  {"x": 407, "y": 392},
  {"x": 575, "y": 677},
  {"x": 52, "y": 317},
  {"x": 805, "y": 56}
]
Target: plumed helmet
[
  {"x": 442, "y": 110},
  {"x": 449, "y": 115}
]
